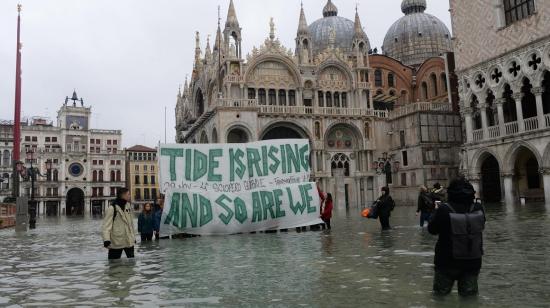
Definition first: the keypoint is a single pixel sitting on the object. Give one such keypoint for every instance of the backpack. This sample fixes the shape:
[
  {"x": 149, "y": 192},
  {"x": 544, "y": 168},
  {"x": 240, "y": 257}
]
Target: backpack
[
  {"x": 115, "y": 211},
  {"x": 467, "y": 233}
]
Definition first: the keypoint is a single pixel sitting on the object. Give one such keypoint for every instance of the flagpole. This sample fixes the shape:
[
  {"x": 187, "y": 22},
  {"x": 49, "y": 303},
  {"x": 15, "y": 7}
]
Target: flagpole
[{"x": 17, "y": 110}]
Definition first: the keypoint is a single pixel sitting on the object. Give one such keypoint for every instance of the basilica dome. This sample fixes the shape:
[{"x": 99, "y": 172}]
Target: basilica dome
[
  {"x": 342, "y": 28},
  {"x": 416, "y": 36}
]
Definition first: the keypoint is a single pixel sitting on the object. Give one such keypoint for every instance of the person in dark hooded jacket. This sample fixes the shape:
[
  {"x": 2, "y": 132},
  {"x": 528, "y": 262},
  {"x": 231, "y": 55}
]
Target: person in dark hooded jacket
[
  {"x": 425, "y": 206},
  {"x": 385, "y": 205},
  {"x": 448, "y": 269}
]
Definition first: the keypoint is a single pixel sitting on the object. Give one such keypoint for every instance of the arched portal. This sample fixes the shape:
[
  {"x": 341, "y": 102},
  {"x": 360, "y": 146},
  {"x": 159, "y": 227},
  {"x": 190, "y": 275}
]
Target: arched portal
[
  {"x": 237, "y": 135},
  {"x": 490, "y": 179},
  {"x": 75, "y": 202},
  {"x": 284, "y": 130},
  {"x": 527, "y": 178}
]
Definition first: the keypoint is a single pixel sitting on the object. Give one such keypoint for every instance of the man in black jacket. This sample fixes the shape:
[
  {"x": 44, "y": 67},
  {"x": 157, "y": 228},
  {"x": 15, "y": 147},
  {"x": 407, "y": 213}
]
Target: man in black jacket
[{"x": 449, "y": 269}]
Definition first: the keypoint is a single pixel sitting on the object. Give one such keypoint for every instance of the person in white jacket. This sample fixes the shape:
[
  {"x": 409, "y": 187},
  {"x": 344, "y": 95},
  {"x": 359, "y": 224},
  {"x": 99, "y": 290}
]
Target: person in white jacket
[{"x": 118, "y": 227}]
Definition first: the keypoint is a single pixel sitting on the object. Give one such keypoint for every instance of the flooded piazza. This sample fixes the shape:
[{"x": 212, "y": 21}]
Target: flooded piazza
[{"x": 62, "y": 262}]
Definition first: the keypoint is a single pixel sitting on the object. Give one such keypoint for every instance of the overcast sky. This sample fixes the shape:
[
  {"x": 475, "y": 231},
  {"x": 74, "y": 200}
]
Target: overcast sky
[{"x": 126, "y": 58}]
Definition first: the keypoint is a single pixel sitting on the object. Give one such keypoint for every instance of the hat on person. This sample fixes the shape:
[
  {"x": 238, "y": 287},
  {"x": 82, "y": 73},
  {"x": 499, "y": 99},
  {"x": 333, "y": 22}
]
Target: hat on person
[{"x": 461, "y": 191}]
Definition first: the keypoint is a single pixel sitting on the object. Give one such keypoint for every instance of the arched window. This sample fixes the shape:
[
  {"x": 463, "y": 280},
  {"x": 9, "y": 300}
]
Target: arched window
[
  {"x": 336, "y": 99},
  {"x": 367, "y": 130},
  {"x": 344, "y": 100},
  {"x": 546, "y": 93},
  {"x": 118, "y": 176},
  {"x": 261, "y": 97},
  {"x": 321, "y": 99},
  {"x": 6, "y": 183},
  {"x": 328, "y": 96},
  {"x": 528, "y": 102},
  {"x": 292, "y": 98},
  {"x": 317, "y": 130},
  {"x": 378, "y": 78},
  {"x": 282, "y": 98},
  {"x": 94, "y": 176},
  {"x": 444, "y": 82},
  {"x": 433, "y": 79},
  {"x": 113, "y": 176},
  {"x": 509, "y": 106},
  {"x": 391, "y": 80},
  {"x": 55, "y": 175},
  {"x": 272, "y": 97},
  {"x": 424, "y": 91},
  {"x": 100, "y": 176},
  {"x": 474, "y": 104}
]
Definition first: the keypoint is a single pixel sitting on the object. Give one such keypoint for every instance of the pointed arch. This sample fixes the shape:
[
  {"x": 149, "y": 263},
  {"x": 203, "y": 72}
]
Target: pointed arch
[{"x": 511, "y": 154}]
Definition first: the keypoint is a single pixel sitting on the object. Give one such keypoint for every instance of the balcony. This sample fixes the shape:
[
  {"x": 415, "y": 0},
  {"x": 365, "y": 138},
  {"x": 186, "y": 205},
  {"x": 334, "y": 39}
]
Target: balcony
[
  {"x": 531, "y": 124},
  {"x": 511, "y": 128},
  {"x": 301, "y": 110},
  {"x": 494, "y": 132},
  {"x": 418, "y": 107}
]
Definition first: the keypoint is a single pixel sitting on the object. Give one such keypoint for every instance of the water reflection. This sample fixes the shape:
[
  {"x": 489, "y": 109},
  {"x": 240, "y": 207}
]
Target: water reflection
[{"x": 355, "y": 264}]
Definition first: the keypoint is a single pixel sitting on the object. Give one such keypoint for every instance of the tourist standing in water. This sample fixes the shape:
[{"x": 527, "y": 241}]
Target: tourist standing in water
[
  {"x": 157, "y": 216},
  {"x": 118, "y": 227},
  {"x": 459, "y": 249},
  {"x": 385, "y": 206},
  {"x": 145, "y": 223},
  {"x": 326, "y": 215},
  {"x": 425, "y": 205}
]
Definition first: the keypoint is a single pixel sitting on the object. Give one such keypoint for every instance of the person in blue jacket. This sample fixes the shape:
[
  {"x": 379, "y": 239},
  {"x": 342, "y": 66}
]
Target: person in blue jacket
[
  {"x": 158, "y": 216},
  {"x": 146, "y": 223}
]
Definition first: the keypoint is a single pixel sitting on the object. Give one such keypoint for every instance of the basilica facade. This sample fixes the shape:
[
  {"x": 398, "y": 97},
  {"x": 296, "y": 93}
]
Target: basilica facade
[{"x": 334, "y": 89}]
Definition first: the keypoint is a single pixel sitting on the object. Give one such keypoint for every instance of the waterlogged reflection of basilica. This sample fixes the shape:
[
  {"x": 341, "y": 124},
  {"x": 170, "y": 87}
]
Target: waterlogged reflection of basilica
[{"x": 360, "y": 110}]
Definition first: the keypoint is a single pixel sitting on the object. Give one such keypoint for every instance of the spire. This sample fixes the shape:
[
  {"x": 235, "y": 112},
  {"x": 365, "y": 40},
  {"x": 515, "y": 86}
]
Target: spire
[
  {"x": 207, "y": 52},
  {"x": 17, "y": 103},
  {"x": 302, "y": 24},
  {"x": 185, "y": 85},
  {"x": 330, "y": 9},
  {"x": 359, "y": 32},
  {"x": 271, "y": 29},
  {"x": 197, "y": 48},
  {"x": 232, "y": 20},
  {"x": 413, "y": 6},
  {"x": 219, "y": 38}
]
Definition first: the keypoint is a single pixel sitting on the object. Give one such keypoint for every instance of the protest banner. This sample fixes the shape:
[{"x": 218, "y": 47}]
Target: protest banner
[{"x": 233, "y": 188}]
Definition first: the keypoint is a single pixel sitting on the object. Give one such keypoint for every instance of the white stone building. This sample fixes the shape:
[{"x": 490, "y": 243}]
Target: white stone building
[
  {"x": 6, "y": 165},
  {"x": 503, "y": 63},
  {"x": 88, "y": 164}
]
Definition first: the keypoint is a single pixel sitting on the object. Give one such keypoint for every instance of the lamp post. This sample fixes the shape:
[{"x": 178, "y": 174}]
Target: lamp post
[{"x": 30, "y": 174}]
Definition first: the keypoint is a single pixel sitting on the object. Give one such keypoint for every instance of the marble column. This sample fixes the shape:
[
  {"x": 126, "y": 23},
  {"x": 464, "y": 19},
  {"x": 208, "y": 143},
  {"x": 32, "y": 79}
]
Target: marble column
[
  {"x": 509, "y": 193},
  {"x": 500, "y": 112},
  {"x": 519, "y": 111},
  {"x": 484, "y": 126},
  {"x": 540, "y": 110},
  {"x": 468, "y": 120}
]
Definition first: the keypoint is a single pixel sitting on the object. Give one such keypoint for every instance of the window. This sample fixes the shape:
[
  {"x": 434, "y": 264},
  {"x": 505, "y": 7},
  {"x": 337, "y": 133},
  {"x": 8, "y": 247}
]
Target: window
[
  {"x": 92, "y": 141},
  {"x": 145, "y": 168},
  {"x": 54, "y": 139},
  {"x": 112, "y": 162},
  {"x": 47, "y": 139},
  {"x": 108, "y": 142},
  {"x": 136, "y": 167},
  {"x": 113, "y": 176},
  {"x": 27, "y": 138},
  {"x": 34, "y": 139},
  {"x": 153, "y": 179},
  {"x": 118, "y": 176},
  {"x": 424, "y": 91},
  {"x": 146, "y": 195},
  {"x": 145, "y": 180},
  {"x": 115, "y": 142},
  {"x": 378, "y": 78},
  {"x": 153, "y": 193},
  {"x": 136, "y": 179},
  {"x": 403, "y": 179},
  {"x": 100, "y": 176},
  {"x": 402, "y": 138},
  {"x": 434, "y": 85},
  {"x": 152, "y": 168},
  {"x": 94, "y": 176},
  {"x": 118, "y": 162},
  {"x": 137, "y": 194},
  {"x": 515, "y": 10},
  {"x": 405, "y": 158},
  {"x": 100, "y": 162},
  {"x": 113, "y": 191},
  {"x": 391, "y": 80},
  {"x": 55, "y": 175}
]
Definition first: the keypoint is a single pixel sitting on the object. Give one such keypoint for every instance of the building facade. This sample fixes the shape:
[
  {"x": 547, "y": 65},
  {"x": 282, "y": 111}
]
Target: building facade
[
  {"x": 6, "y": 160},
  {"x": 503, "y": 65},
  {"x": 142, "y": 175},
  {"x": 87, "y": 165},
  {"x": 332, "y": 89}
]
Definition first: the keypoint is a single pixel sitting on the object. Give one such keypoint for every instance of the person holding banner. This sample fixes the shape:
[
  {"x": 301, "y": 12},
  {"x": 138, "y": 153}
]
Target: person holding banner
[
  {"x": 157, "y": 216},
  {"x": 327, "y": 211}
]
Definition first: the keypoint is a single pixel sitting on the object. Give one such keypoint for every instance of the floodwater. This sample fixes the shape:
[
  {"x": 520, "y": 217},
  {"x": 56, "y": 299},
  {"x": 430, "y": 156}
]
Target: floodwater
[{"x": 62, "y": 263}]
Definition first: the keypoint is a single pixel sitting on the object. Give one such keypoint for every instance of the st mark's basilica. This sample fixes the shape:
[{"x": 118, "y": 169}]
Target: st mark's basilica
[{"x": 373, "y": 118}]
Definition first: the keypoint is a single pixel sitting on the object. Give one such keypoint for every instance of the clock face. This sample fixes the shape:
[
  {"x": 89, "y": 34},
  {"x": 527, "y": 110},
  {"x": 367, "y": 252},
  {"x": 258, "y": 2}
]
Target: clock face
[{"x": 76, "y": 169}]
